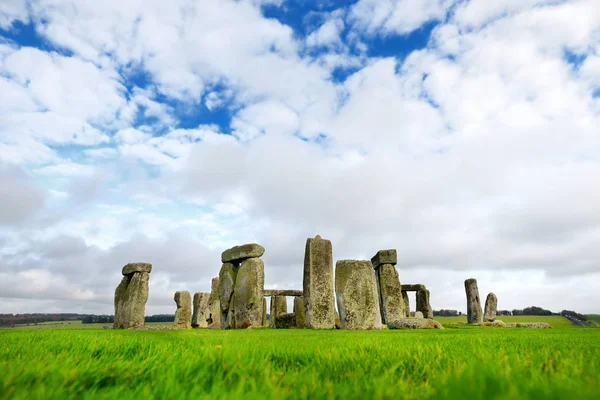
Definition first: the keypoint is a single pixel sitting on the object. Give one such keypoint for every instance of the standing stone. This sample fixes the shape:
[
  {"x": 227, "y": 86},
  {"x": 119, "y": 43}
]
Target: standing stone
[
  {"x": 227, "y": 277},
  {"x": 214, "y": 306},
  {"x": 183, "y": 315},
  {"x": 264, "y": 314},
  {"x": 131, "y": 295},
  {"x": 278, "y": 307},
  {"x": 391, "y": 302},
  {"x": 357, "y": 297},
  {"x": 319, "y": 302},
  {"x": 406, "y": 304},
  {"x": 299, "y": 311},
  {"x": 491, "y": 307},
  {"x": 200, "y": 310},
  {"x": 248, "y": 294},
  {"x": 474, "y": 313},
  {"x": 423, "y": 303}
]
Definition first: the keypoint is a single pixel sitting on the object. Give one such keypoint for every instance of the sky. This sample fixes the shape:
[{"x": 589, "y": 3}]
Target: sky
[{"x": 464, "y": 134}]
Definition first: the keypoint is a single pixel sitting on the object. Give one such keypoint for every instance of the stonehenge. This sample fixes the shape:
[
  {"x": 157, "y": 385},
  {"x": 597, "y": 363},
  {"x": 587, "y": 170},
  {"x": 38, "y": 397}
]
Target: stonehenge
[
  {"x": 183, "y": 314},
  {"x": 406, "y": 304},
  {"x": 391, "y": 301},
  {"x": 131, "y": 295},
  {"x": 214, "y": 306},
  {"x": 414, "y": 323},
  {"x": 474, "y": 313},
  {"x": 319, "y": 301},
  {"x": 200, "y": 309},
  {"x": 491, "y": 307},
  {"x": 423, "y": 305},
  {"x": 299, "y": 312},
  {"x": 278, "y": 307},
  {"x": 357, "y": 295}
]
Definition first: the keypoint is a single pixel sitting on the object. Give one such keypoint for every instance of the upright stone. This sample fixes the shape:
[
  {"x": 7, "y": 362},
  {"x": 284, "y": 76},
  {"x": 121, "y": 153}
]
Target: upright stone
[
  {"x": 474, "y": 313},
  {"x": 319, "y": 302},
  {"x": 248, "y": 294},
  {"x": 131, "y": 296},
  {"x": 406, "y": 304},
  {"x": 491, "y": 307},
  {"x": 423, "y": 304},
  {"x": 391, "y": 303},
  {"x": 357, "y": 297},
  {"x": 264, "y": 314},
  {"x": 183, "y": 315},
  {"x": 299, "y": 312},
  {"x": 214, "y": 306},
  {"x": 227, "y": 277},
  {"x": 278, "y": 307},
  {"x": 200, "y": 311}
]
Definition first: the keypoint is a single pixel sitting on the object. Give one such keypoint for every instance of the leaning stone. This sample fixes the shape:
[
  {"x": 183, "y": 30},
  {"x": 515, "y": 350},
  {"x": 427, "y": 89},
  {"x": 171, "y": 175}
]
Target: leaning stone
[
  {"x": 406, "y": 304},
  {"x": 130, "y": 300},
  {"x": 136, "y": 267},
  {"x": 227, "y": 277},
  {"x": 413, "y": 323},
  {"x": 214, "y": 305},
  {"x": 423, "y": 303},
  {"x": 491, "y": 306},
  {"x": 390, "y": 293},
  {"x": 183, "y": 315},
  {"x": 357, "y": 297},
  {"x": 384, "y": 257},
  {"x": 278, "y": 307},
  {"x": 285, "y": 321},
  {"x": 299, "y": 311},
  {"x": 240, "y": 253},
  {"x": 474, "y": 313},
  {"x": 200, "y": 310},
  {"x": 319, "y": 301},
  {"x": 248, "y": 294},
  {"x": 418, "y": 315}
]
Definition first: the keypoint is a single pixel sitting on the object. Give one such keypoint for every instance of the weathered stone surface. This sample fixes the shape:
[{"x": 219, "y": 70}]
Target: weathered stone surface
[
  {"x": 474, "y": 313},
  {"x": 278, "y": 307},
  {"x": 319, "y": 301},
  {"x": 136, "y": 267},
  {"x": 285, "y": 321},
  {"x": 423, "y": 303},
  {"x": 183, "y": 315},
  {"x": 491, "y": 307},
  {"x": 384, "y": 257},
  {"x": 214, "y": 306},
  {"x": 130, "y": 300},
  {"x": 406, "y": 304},
  {"x": 248, "y": 294},
  {"x": 200, "y": 310},
  {"x": 299, "y": 311},
  {"x": 283, "y": 292},
  {"x": 413, "y": 287},
  {"x": 227, "y": 277},
  {"x": 357, "y": 297},
  {"x": 418, "y": 315},
  {"x": 414, "y": 323},
  {"x": 264, "y": 314},
  {"x": 240, "y": 253},
  {"x": 542, "y": 325},
  {"x": 496, "y": 323},
  {"x": 338, "y": 324},
  {"x": 391, "y": 302}
]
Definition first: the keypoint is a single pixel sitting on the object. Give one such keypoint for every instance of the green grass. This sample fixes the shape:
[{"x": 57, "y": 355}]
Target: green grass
[
  {"x": 555, "y": 320},
  {"x": 594, "y": 317},
  {"x": 469, "y": 362}
]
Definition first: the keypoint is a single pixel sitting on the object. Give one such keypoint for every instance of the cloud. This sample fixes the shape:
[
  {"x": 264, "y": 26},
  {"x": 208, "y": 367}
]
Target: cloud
[
  {"x": 21, "y": 198},
  {"x": 11, "y": 11}
]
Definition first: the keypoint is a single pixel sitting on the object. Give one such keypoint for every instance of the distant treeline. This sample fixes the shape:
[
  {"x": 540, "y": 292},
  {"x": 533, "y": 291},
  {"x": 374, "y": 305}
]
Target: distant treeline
[
  {"x": 23, "y": 319},
  {"x": 109, "y": 319},
  {"x": 533, "y": 310}
]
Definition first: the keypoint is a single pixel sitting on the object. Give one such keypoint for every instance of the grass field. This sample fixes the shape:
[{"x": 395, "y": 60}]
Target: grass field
[
  {"x": 465, "y": 362},
  {"x": 555, "y": 320},
  {"x": 594, "y": 317}
]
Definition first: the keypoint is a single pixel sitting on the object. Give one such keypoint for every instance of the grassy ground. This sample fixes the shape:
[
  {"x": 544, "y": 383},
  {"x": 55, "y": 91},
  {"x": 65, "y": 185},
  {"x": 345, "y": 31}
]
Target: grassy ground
[
  {"x": 464, "y": 362},
  {"x": 594, "y": 317},
  {"x": 555, "y": 320}
]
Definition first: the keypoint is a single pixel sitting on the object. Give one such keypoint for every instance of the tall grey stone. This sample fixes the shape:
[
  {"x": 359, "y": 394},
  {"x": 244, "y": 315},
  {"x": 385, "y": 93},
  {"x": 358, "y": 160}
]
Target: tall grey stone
[
  {"x": 406, "y": 304},
  {"x": 264, "y": 314},
  {"x": 214, "y": 306},
  {"x": 248, "y": 294},
  {"x": 183, "y": 314},
  {"x": 391, "y": 302},
  {"x": 278, "y": 307},
  {"x": 491, "y": 307},
  {"x": 299, "y": 312},
  {"x": 227, "y": 277},
  {"x": 318, "y": 295},
  {"x": 356, "y": 293},
  {"x": 131, "y": 295},
  {"x": 474, "y": 313},
  {"x": 200, "y": 311},
  {"x": 423, "y": 303}
]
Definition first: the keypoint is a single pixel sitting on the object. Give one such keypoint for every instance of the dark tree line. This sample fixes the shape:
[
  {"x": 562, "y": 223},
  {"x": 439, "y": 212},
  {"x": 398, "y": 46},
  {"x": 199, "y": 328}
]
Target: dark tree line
[
  {"x": 533, "y": 310},
  {"x": 446, "y": 313}
]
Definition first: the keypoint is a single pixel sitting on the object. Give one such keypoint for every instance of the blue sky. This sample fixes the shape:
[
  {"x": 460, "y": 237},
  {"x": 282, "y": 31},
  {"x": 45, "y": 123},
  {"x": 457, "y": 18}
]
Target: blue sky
[{"x": 463, "y": 134}]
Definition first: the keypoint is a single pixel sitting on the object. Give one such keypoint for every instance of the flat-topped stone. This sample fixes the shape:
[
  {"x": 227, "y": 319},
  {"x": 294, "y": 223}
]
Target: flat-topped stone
[
  {"x": 285, "y": 292},
  {"x": 384, "y": 257},
  {"x": 413, "y": 287},
  {"x": 132, "y": 268},
  {"x": 240, "y": 253}
]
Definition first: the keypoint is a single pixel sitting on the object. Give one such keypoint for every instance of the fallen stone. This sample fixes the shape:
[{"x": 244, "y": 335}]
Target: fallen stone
[
  {"x": 285, "y": 321},
  {"x": 384, "y": 257},
  {"x": 491, "y": 307},
  {"x": 136, "y": 267},
  {"x": 227, "y": 277},
  {"x": 391, "y": 302},
  {"x": 130, "y": 300},
  {"x": 248, "y": 294},
  {"x": 406, "y": 304},
  {"x": 299, "y": 311},
  {"x": 542, "y": 325},
  {"x": 240, "y": 253},
  {"x": 278, "y": 307},
  {"x": 414, "y": 323},
  {"x": 474, "y": 313},
  {"x": 200, "y": 310},
  {"x": 418, "y": 315},
  {"x": 318, "y": 295},
  {"x": 423, "y": 303},
  {"x": 183, "y": 314},
  {"x": 357, "y": 297}
]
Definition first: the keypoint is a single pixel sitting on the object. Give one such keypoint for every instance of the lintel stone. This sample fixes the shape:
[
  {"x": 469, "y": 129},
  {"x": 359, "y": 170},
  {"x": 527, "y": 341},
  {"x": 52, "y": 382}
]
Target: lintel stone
[
  {"x": 240, "y": 253},
  {"x": 384, "y": 257},
  {"x": 136, "y": 267}
]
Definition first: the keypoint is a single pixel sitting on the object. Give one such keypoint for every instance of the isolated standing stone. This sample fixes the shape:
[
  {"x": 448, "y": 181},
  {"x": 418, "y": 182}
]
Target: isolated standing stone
[
  {"x": 213, "y": 318},
  {"x": 319, "y": 302},
  {"x": 390, "y": 293},
  {"x": 240, "y": 253},
  {"x": 491, "y": 307},
  {"x": 423, "y": 303},
  {"x": 278, "y": 307},
  {"x": 131, "y": 296},
  {"x": 357, "y": 297},
  {"x": 406, "y": 304},
  {"x": 183, "y": 315},
  {"x": 227, "y": 277},
  {"x": 474, "y": 313},
  {"x": 248, "y": 294},
  {"x": 299, "y": 311},
  {"x": 200, "y": 310}
]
